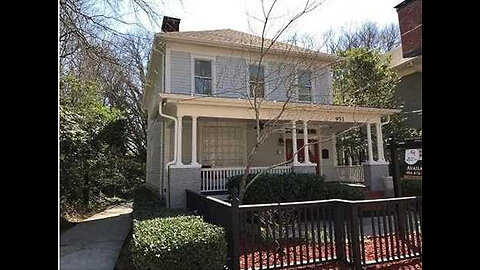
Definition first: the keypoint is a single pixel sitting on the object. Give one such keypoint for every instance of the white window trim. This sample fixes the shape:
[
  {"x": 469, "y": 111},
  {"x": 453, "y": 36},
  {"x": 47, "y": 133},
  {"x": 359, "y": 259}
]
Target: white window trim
[
  {"x": 212, "y": 59},
  {"x": 297, "y": 72},
  {"x": 265, "y": 88}
]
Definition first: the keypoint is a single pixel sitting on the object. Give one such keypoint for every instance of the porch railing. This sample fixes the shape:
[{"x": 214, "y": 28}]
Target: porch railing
[
  {"x": 351, "y": 174},
  {"x": 215, "y": 179}
]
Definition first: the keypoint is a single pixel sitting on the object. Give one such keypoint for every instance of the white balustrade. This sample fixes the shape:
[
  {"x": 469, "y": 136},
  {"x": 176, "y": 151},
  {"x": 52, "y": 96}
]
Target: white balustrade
[
  {"x": 351, "y": 174},
  {"x": 215, "y": 179}
]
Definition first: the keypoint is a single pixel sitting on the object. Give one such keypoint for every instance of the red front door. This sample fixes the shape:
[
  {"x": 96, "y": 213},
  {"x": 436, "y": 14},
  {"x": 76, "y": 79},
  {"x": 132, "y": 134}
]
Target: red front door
[{"x": 301, "y": 154}]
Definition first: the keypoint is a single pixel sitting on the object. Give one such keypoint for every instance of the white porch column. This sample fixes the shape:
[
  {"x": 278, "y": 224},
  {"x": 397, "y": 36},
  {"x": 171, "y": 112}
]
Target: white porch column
[
  {"x": 194, "y": 142},
  {"x": 350, "y": 160},
  {"x": 334, "y": 152},
  {"x": 381, "y": 156},
  {"x": 179, "y": 140},
  {"x": 369, "y": 141},
  {"x": 305, "y": 142},
  {"x": 294, "y": 143},
  {"x": 284, "y": 137}
]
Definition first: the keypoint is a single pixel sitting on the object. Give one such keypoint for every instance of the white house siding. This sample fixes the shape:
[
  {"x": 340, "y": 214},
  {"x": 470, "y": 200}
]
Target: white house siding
[
  {"x": 187, "y": 140},
  {"x": 322, "y": 87},
  {"x": 270, "y": 152},
  {"x": 158, "y": 69},
  {"x": 231, "y": 77},
  {"x": 278, "y": 78},
  {"x": 154, "y": 153},
  {"x": 328, "y": 165},
  {"x": 180, "y": 73}
]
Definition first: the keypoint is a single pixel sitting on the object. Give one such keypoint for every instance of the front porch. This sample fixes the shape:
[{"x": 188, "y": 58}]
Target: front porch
[
  {"x": 221, "y": 147},
  {"x": 208, "y": 143}
]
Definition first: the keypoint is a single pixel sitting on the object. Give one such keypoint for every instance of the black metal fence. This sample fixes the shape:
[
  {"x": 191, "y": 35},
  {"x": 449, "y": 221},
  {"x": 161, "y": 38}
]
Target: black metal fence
[{"x": 358, "y": 233}]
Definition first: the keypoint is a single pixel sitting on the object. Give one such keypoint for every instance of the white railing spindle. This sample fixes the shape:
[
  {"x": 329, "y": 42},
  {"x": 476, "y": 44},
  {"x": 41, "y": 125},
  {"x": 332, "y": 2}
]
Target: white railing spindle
[
  {"x": 353, "y": 174},
  {"x": 215, "y": 179}
]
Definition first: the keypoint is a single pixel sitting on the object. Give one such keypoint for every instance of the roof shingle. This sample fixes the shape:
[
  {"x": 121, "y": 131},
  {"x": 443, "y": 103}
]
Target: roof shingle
[{"x": 237, "y": 39}]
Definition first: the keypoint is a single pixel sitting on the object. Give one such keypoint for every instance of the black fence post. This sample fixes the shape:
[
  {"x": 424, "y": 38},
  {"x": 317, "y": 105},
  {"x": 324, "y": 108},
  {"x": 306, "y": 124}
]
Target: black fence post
[
  {"x": 234, "y": 228},
  {"x": 401, "y": 220},
  {"x": 397, "y": 188},
  {"x": 357, "y": 259},
  {"x": 339, "y": 224}
]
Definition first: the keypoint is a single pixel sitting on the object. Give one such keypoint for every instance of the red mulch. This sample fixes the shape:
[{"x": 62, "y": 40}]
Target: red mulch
[
  {"x": 408, "y": 264},
  {"x": 294, "y": 252}
]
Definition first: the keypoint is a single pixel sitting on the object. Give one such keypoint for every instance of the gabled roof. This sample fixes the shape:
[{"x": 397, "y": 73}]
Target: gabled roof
[{"x": 239, "y": 40}]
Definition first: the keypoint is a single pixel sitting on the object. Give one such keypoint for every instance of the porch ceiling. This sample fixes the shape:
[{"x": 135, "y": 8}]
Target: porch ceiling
[{"x": 338, "y": 117}]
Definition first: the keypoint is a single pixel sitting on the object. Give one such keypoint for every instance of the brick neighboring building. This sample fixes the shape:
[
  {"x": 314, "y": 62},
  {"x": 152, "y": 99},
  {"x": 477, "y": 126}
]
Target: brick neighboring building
[
  {"x": 410, "y": 22},
  {"x": 407, "y": 60}
]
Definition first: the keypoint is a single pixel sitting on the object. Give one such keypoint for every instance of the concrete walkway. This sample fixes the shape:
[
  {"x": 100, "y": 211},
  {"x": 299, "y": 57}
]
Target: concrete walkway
[{"x": 96, "y": 242}]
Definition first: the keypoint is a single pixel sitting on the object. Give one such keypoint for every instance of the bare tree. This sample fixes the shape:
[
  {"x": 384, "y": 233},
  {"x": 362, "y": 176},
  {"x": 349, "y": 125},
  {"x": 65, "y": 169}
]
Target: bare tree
[
  {"x": 282, "y": 76},
  {"x": 290, "y": 65},
  {"x": 367, "y": 35},
  {"x": 100, "y": 41},
  {"x": 87, "y": 26},
  {"x": 389, "y": 37}
]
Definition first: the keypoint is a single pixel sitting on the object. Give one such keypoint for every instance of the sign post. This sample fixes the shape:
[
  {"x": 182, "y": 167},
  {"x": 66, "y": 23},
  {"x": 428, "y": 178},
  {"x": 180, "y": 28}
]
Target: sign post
[{"x": 395, "y": 168}]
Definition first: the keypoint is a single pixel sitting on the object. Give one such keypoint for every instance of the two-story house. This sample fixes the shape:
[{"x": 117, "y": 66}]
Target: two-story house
[{"x": 201, "y": 123}]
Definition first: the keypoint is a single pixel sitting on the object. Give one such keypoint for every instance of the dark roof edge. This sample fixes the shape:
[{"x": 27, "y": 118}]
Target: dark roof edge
[{"x": 403, "y": 4}]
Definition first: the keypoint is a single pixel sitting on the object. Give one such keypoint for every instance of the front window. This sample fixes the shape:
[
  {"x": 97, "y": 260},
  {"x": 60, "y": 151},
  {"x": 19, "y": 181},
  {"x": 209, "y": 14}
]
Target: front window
[
  {"x": 304, "y": 85},
  {"x": 223, "y": 146},
  {"x": 203, "y": 77},
  {"x": 256, "y": 81}
]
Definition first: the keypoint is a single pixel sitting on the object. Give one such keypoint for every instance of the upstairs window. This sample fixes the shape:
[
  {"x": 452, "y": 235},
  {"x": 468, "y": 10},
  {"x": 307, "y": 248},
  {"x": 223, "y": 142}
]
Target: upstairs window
[
  {"x": 203, "y": 77},
  {"x": 256, "y": 81},
  {"x": 304, "y": 85}
]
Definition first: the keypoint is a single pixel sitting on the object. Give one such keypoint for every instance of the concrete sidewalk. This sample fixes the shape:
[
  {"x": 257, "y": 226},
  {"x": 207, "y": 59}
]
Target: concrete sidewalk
[{"x": 96, "y": 242}]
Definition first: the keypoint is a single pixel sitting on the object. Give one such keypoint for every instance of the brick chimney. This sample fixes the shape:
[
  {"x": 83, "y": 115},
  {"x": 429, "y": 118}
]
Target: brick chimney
[
  {"x": 170, "y": 24},
  {"x": 410, "y": 22}
]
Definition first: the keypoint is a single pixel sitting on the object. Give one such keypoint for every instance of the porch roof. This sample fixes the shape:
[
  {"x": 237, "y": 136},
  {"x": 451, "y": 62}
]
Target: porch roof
[{"x": 207, "y": 106}]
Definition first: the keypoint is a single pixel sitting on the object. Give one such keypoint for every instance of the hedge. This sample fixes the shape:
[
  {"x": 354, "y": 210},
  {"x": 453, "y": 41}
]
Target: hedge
[
  {"x": 411, "y": 187},
  {"x": 290, "y": 187},
  {"x": 172, "y": 239},
  {"x": 147, "y": 205}
]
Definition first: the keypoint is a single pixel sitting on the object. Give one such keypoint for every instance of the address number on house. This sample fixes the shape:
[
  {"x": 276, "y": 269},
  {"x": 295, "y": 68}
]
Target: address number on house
[{"x": 339, "y": 118}]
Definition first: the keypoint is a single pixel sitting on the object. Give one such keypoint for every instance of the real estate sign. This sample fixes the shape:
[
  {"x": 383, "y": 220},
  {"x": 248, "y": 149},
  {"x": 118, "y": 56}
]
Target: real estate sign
[{"x": 412, "y": 167}]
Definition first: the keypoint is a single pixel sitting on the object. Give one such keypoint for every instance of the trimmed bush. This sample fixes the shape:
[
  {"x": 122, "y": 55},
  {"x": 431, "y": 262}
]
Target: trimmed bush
[
  {"x": 291, "y": 187},
  {"x": 147, "y": 205},
  {"x": 171, "y": 239},
  {"x": 411, "y": 187}
]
